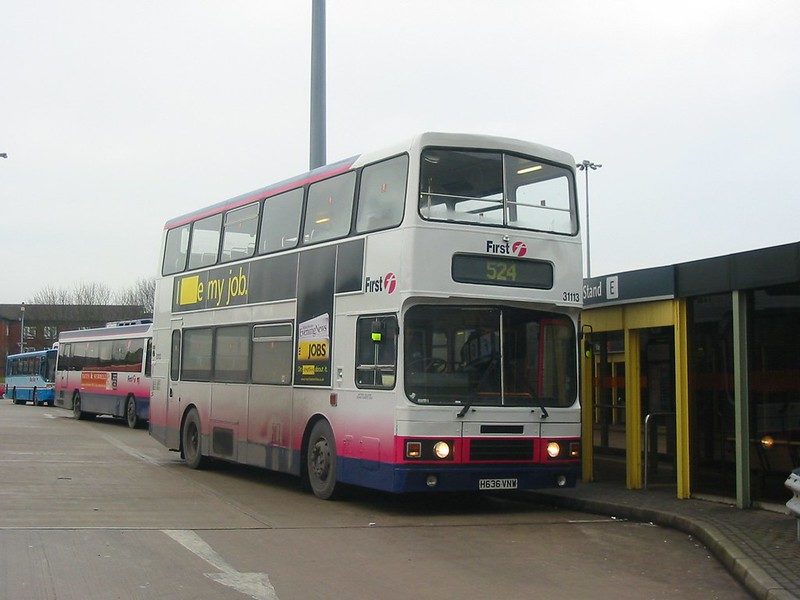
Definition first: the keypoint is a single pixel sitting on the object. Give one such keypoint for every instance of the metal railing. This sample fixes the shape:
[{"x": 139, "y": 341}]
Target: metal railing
[
  {"x": 793, "y": 483},
  {"x": 647, "y": 438}
]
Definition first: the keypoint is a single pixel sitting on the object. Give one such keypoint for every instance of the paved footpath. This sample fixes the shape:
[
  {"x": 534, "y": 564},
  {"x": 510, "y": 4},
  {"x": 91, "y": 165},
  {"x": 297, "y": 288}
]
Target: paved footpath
[{"x": 759, "y": 547}]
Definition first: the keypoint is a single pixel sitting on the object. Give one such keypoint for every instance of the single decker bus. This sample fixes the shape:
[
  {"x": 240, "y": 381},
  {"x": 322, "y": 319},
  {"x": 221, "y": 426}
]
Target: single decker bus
[
  {"x": 403, "y": 320},
  {"x": 30, "y": 377},
  {"x": 106, "y": 371}
]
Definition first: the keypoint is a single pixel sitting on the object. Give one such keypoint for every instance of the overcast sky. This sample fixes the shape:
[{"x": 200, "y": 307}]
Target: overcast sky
[{"x": 117, "y": 116}]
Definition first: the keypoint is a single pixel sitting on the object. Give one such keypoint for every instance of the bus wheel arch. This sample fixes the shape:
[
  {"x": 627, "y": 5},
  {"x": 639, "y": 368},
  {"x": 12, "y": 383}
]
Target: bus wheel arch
[
  {"x": 319, "y": 459},
  {"x": 191, "y": 438}
]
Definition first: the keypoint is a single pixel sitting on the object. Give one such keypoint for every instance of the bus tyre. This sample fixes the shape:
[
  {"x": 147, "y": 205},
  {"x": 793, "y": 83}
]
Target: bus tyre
[
  {"x": 321, "y": 461},
  {"x": 191, "y": 441},
  {"x": 130, "y": 413},
  {"x": 76, "y": 407}
]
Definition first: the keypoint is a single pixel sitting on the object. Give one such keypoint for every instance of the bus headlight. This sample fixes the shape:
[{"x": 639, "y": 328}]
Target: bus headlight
[
  {"x": 441, "y": 449},
  {"x": 553, "y": 449}
]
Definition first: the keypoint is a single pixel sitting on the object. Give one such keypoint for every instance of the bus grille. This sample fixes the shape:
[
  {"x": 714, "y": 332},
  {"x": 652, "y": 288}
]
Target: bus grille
[{"x": 502, "y": 449}]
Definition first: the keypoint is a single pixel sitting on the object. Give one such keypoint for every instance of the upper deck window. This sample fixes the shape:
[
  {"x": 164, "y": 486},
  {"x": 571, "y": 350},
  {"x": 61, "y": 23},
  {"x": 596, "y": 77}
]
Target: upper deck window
[
  {"x": 239, "y": 233},
  {"x": 205, "y": 242},
  {"x": 382, "y": 194},
  {"x": 177, "y": 248},
  {"x": 493, "y": 188},
  {"x": 280, "y": 223},
  {"x": 329, "y": 209}
]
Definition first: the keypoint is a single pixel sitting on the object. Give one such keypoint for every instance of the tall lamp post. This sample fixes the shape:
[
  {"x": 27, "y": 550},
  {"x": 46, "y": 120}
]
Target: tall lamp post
[
  {"x": 22, "y": 329},
  {"x": 317, "y": 145},
  {"x": 585, "y": 166}
]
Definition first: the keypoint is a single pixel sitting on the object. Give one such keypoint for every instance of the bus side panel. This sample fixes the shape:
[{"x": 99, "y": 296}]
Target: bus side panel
[
  {"x": 158, "y": 410},
  {"x": 99, "y": 403},
  {"x": 67, "y": 383},
  {"x": 228, "y": 420},
  {"x": 269, "y": 427},
  {"x": 106, "y": 393},
  {"x": 365, "y": 438}
]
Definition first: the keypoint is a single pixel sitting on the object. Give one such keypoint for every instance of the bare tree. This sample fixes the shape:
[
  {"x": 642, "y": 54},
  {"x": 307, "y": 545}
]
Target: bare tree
[
  {"x": 141, "y": 293},
  {"x": 51, "y": 295},
  {"x": 91, "y": 293}
]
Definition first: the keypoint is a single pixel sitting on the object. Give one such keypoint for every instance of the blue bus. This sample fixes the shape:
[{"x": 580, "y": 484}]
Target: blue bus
[{"x": 30, "y": 377}]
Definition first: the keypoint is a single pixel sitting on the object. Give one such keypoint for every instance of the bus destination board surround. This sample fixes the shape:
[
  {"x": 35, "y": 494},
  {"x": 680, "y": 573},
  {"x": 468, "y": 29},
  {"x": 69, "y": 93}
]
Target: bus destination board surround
[{"x": 504, "y": 271}]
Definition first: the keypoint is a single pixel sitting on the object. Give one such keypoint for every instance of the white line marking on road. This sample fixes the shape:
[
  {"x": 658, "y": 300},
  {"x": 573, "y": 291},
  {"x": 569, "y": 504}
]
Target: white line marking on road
[
  {"x": 128, "y": 450},
  {"x": 255, "y": 585},
  {"x": 49, "y": 416}
]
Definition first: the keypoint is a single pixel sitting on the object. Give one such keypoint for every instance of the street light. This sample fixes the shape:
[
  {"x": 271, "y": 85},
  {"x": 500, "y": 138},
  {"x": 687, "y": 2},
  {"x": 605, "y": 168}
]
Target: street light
[
  {"x": 585, "y": 166},
  {"x": 22, "y": 330},
  {"x": 317, "y": 145}
]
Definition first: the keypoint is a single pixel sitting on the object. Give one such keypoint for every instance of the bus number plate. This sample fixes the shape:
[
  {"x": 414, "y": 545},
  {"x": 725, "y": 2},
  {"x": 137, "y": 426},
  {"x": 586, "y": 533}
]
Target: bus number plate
[{"x": 497, "y": 484}]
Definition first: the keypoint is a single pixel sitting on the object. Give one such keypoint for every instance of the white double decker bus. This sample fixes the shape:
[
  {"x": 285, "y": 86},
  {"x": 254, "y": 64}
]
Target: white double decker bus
[{"x": 403, "y": 320}]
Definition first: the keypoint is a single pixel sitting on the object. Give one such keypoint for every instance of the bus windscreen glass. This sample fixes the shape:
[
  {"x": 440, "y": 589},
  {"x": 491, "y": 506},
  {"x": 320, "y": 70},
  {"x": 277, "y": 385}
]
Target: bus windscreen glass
[{"x": 489, "y": 357}]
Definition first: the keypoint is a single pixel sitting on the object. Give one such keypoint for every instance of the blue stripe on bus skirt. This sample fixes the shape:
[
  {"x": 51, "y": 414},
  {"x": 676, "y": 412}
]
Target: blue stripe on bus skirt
[{"x": 413, "y": 478}]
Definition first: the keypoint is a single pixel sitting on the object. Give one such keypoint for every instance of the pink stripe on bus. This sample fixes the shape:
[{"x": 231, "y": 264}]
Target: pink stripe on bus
[{"x": 258, "y": 195}]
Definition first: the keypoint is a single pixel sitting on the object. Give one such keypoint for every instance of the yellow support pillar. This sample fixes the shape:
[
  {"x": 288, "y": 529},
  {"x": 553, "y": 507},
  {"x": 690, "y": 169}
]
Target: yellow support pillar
[
  {"x": 587, "y": 414},
  {"x": 633, "y": 409},
  {"x": 681, "y": 398}
]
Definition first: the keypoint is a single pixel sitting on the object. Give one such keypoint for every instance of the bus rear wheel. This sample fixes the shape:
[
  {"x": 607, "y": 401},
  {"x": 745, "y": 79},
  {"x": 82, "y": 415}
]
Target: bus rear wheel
[
  {"x": 130, "y": 413},
  {"x": 321, "y": 461},
  {"x": 191, "y": 441},
  {"x": 76, "y": 407}
]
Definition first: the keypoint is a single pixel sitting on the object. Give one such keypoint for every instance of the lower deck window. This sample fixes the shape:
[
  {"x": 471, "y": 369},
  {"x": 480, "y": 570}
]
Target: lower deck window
[
  {"x": 273, "y": 354},
  {"x": 196, "y": 354},
  {"x": 232, "y": 354},
  {"x": 376, "y": 352}
]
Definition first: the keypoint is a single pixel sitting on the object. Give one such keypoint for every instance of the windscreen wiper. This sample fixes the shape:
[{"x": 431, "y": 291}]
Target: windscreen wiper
[
  {"x": 463, "y": 411},
  {"x": 467, "y": 405},
  {"x": 545, "y": 414},
  {"x": 538, "y": 402}
]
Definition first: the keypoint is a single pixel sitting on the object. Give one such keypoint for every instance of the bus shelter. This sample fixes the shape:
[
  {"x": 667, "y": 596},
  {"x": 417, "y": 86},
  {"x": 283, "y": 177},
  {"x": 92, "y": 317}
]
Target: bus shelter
[{"x": 690, "y": 377}]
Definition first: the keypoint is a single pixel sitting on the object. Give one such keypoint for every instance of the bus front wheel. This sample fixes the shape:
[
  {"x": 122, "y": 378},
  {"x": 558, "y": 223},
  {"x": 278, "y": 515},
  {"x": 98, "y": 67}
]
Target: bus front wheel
[
  {"x": 321, "y": 461},
  {"x": 191, "y": 441},
  {"x": 130, "y": 413}
]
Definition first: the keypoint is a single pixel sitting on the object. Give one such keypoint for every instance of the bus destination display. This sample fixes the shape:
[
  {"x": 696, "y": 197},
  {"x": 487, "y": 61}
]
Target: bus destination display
[{"x": 494, "y": 270}]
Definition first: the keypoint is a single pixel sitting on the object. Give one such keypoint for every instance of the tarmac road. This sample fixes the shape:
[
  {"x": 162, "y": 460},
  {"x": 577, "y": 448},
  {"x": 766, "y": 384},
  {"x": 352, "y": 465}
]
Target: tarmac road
[{"x": 92, "y": 510}]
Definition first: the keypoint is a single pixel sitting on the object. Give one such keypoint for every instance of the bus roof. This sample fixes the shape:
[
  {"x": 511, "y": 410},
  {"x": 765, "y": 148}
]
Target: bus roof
[
  {"x": 457, "y": 140},
  {"x": 265, "y": 192},
  {"x": 139, "y": 330},
  {"x": 30, "y": 353}
]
